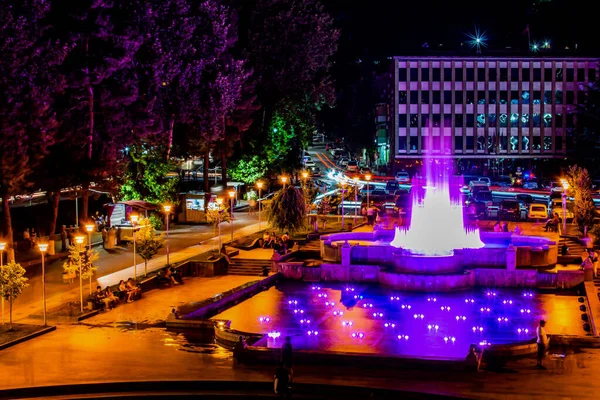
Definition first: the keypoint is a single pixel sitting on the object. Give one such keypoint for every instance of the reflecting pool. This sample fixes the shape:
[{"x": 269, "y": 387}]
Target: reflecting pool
[{"x": 377, "y": 320}]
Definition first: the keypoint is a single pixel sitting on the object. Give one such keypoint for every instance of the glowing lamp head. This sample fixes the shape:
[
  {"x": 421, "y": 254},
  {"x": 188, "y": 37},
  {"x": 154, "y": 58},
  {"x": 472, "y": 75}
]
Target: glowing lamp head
[
  {"x": 89, "y": 228},
  {"x": 167, "y": 208},
  {"x": 79, "y": 239},
  {"x": 368, "y": 177},
  {"x": 219, "y": 201},
  {"x": 305, "y": 174},
  {"x": 231, "y": 194},
  {"x": 2, "y": 246},
  {"x": 259, "y": 184},
  {"x": 355, "y": 179},
  {"x": 284, "y": 179},
  {"x": 134, "y": 218},
  {"x": 43, "y": 247}
]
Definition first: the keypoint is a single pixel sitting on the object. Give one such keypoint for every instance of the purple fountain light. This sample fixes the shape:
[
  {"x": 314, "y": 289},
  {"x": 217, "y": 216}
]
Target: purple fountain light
[{"x": 437, "y": 226}]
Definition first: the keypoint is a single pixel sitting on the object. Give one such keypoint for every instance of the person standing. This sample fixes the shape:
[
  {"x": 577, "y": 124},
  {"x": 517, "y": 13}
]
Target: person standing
[
  {"x": 282, "y": 382},
  {"x": 63, "y": 238},
  {"x": 287, "y": 354},
  {"x": 542, "y": 344}
]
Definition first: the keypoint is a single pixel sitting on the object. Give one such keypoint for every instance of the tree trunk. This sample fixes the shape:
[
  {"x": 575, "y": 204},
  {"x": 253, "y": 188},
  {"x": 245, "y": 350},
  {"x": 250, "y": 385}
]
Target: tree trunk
[
  {"x": 170, "y": 143},
  {"x": 85, "y": 201},
  {"x": 90, "y": 90},
  {"x": 10, "y": 301},
  {"x": 8, "y": 231},
  {"x": 206, "y": 179},
  {"x": 224, "y": 155},
  {"x": 54, "y": 214}
]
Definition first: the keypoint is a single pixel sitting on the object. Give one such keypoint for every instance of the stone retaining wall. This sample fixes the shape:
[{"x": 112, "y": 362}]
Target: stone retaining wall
[{"x": 476, "y": 277}]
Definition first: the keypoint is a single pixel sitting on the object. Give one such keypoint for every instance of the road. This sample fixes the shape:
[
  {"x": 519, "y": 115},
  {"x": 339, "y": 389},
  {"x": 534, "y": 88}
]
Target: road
[{"x": 115, "y": 260}]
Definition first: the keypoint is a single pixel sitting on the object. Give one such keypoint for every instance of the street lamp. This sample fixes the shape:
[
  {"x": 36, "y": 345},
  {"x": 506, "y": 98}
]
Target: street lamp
[
  {"x": 355, "y": 179},
  {"x": 343, "y": 189},
  {"x": 134, "y": 219},
  {"x": 259, "y": 185},
  {"x": 232, "y": 197},
  {"x": 167, "y": 210},
  {"x": 219, "y": 204},
  {"x": 368, "y": 178},
  {"x": 43, "y": 249},
  {"x": 565, "y": 186},
  {"x": 2, "y": 248},
  {"x": 284, "y": 180},
  {"x": 79, "y": 240},
  {"x": 89, "y": 228}
]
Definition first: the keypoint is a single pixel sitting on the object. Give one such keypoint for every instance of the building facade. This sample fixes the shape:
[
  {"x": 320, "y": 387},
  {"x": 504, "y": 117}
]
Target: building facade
[{"x": 487, "y": 107}]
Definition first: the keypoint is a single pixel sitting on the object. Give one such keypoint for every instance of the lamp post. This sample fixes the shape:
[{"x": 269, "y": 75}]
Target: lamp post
[
  {"x": 565, "y": 185},
  {"x": 43, "y": 249},
  {"x": 134, "y": 219},
  {"x": 284, "y": 180},
  {"x": 2, "y": 248},
  {"x": 368, "y": 178},
  {"x": 232, "y": 197},
  {"x": 89, "y": 228},
  {"x": 167, "y": 210},
  {"x": 355, "y": 179},
  {"x": 259, "y": 185},
  {"x": 79, "y": 240},
  {"x": 219, "y": 204},
  {"x": 343, "y": 190}
]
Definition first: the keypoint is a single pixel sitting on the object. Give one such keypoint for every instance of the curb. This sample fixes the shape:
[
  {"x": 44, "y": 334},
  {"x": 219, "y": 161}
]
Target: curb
[
  {"x": 28, "y": 337},
  {"x": 80, "y": 318}
]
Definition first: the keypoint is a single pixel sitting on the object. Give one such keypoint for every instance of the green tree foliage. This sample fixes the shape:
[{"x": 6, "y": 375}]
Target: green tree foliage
[
  {"x": 216, "y": 214},
  {"x": 12, "y": 284},
  {"x": 581, "y": 185},
  {"x": 249, "y": 169},
  {"x": 146, "y": 177},
  {"x": 148, "y": 242},
  {"x": 287, "y": 210}
]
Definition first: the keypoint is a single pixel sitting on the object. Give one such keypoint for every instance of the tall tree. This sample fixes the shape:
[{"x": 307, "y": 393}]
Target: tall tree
[
  {"x": 28, "y": 86},
  {"x": 103, "y": 84}
]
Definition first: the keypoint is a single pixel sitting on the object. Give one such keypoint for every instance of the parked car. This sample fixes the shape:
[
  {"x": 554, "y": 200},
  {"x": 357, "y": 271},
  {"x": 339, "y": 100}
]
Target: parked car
[
  {"x": 557, "y": 208},
  {"x": 525, "y": 199},
  {"x": 316, "y": 172},
  {"x": 391, "y": 186},
  {"x": 402, "y": 176},
  {"x": 530, "y": 185},
  {"x": 556, "y": 187},
  {"x": 478, "y": 186},
  {"x": 352, "y": 166},
  {"x": 537, "y": 211},
  {"x": 510, "y": 209},
  {"x": 309, "y": 164},
  {"x": 476, "y": 210},
  {"x": 485, "y": 179}
]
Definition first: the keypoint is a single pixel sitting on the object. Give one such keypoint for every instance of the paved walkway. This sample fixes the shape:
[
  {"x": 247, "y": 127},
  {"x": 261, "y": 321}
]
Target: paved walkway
[
  {"x": 116, "y": 265},
  {"x": 124, "y": 344}
]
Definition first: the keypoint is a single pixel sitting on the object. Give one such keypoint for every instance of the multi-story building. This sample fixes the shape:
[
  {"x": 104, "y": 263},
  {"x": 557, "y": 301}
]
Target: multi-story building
[{"x": 487, "y": 108}]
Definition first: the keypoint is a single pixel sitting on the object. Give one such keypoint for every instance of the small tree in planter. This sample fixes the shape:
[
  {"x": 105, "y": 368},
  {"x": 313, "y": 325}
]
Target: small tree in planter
[
  {"x": 12, "y": 284},
  {"x": 287, "y": 210},
  {"x": 216, "y": 214},
  {"x": 88, "y": 257},
  {"x": 148, "y": 243},
  {"x": 324, "y": 209}
]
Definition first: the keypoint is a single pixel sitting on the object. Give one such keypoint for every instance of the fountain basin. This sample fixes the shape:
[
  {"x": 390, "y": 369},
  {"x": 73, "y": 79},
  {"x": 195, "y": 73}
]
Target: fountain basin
[{"x": 405, "y": 262}]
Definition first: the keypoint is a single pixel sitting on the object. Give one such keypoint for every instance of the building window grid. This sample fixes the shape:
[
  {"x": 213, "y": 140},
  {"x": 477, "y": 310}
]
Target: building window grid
[{"x": 532, "y": 119}]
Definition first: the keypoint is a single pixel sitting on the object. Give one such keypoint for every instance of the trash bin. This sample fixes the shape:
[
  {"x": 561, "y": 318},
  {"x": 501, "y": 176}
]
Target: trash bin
[{"x": 111, "y": 239}]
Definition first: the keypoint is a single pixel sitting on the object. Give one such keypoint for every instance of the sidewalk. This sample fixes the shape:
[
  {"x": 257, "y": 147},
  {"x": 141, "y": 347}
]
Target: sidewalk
[{"x": 116, "y": 265}]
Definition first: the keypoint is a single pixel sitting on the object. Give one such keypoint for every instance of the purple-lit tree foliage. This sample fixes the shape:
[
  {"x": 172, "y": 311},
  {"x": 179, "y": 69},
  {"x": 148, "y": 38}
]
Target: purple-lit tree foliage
[
  {"x": 27, "y": 120},
  {"x": 102, "y": 82}
]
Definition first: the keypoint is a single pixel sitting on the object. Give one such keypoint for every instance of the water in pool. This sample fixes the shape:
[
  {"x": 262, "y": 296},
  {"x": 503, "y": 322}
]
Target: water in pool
[{"x": 377, "y": 320}]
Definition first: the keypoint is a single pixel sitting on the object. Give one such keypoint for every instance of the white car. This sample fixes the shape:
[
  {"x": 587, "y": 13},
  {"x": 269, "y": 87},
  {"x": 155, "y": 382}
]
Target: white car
[
  {"x": 537, "y": 211},
  {"x": 402, "y": 176},
  {"x": 309, "y": 164},
  {"x": 557, "y": 208}
]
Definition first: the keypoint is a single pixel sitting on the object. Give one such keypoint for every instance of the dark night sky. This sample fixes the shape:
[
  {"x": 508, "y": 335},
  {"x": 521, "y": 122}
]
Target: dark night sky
[{"x": 381, "y": 28}]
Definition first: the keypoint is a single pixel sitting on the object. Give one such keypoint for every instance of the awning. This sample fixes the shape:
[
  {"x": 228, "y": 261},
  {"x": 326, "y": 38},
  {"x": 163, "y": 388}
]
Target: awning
[{"x": 140, "y": 204}]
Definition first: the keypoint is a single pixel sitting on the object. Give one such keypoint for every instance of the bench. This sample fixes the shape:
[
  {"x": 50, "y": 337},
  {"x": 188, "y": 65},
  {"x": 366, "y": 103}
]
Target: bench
[{"x": 256, "y": 243}]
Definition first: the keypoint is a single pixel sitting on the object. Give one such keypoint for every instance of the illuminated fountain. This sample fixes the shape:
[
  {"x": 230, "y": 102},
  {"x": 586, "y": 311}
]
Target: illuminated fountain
[{"x": 437, "y": 225}]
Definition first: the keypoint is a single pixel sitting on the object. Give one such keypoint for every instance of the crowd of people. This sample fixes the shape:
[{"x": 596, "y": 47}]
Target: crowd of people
[{"x": 281, "y": 244}]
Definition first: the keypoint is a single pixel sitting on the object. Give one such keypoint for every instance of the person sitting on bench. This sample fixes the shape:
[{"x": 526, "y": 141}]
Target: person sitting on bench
[
  {"x": 552, "y": 223},
  {"x": 133, "y": 286},
  {"x": 176, "y": 275}
]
